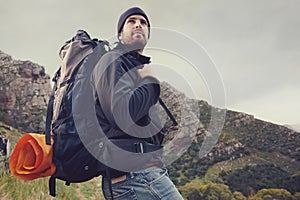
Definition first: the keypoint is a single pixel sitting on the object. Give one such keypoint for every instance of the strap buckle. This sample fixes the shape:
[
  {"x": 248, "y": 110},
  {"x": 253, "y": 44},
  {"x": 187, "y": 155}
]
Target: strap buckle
[{"x": 139, "y": 147}]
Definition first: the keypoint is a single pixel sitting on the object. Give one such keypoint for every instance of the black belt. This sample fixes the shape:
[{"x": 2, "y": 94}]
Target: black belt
[{"x": 135, "y": 145}]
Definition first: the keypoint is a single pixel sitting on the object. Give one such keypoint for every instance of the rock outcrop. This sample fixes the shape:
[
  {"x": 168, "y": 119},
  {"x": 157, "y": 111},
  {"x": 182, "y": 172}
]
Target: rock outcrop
[{"x": 24, "y": 94}]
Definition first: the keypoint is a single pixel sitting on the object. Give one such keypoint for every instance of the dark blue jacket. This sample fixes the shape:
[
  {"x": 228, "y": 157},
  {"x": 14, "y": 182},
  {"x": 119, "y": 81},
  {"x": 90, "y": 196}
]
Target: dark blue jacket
[
  {"x": 125, "y": 102},
  {"x": 124, "y": 99}
]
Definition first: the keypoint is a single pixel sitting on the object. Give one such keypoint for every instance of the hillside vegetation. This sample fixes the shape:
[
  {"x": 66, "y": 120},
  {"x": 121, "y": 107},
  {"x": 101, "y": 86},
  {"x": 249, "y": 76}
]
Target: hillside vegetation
[
  {"x": 251, "y": 155},
  {"x": 251, "y": 159}
]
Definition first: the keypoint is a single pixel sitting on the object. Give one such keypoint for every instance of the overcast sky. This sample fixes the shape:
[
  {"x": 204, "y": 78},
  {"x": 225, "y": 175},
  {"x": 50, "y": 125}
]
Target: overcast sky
[{"x": 254, "y": 44}]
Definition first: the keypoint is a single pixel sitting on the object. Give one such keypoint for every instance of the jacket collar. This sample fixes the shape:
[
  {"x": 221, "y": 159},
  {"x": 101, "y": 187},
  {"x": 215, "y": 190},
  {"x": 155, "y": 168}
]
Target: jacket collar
[{"x": 137, "y": 58}]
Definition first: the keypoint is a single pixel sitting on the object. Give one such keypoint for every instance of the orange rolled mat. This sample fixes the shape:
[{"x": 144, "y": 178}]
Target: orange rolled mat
[{"x": 32, "y": 158}]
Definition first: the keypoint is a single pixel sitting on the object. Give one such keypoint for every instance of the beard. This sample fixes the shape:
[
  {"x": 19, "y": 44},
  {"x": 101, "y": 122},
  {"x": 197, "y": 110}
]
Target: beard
[{"x": 135, "y": 41}]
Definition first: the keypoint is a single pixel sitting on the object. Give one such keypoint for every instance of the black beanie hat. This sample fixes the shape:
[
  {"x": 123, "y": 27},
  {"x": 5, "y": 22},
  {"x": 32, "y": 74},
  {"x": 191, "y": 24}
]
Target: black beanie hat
[{"x": 128, "y": 13}]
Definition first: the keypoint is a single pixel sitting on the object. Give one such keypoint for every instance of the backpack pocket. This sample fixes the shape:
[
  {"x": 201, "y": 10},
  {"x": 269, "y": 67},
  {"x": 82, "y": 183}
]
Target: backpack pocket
[{"x": 73, "y": 161}]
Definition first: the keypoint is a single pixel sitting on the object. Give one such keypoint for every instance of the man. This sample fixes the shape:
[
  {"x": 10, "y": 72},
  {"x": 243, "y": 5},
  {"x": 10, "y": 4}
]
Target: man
[{"x": 127, "y": 91}]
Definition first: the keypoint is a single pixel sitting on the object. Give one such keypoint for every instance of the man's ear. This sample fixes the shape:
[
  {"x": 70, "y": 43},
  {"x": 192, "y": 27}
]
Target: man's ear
[{"x": 120, "y": 36}]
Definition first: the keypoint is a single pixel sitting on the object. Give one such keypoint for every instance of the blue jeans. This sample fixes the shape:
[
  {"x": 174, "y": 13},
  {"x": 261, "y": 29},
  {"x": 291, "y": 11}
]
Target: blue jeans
[{"x": 152, "y": 183}]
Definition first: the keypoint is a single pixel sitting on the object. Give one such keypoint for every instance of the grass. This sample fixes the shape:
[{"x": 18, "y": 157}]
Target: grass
[
  {"x": 284, "y": 162},
  {"x": 92, "y": 189},
  {"x": 12, "y": 188},
  {"x": 9, "y": 132},
  {"x": 256, "y": 157},
  {"x": 213, "y": 171}
]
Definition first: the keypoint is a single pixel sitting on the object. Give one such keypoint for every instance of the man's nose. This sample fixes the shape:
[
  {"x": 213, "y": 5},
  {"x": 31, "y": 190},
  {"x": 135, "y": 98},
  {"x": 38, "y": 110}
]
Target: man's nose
[{"x": 138, "y": 25}]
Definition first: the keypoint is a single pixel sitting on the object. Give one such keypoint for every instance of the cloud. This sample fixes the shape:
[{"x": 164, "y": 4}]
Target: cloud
[
  {"x": 255, "y": 44},
  {"x": 279, "y": 106}
]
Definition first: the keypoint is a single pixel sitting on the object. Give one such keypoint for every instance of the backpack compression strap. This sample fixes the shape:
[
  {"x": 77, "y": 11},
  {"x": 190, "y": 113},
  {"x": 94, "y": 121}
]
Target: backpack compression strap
[
  {"x": 50, "y": 110},
  {"x": 52, "y": 186}
]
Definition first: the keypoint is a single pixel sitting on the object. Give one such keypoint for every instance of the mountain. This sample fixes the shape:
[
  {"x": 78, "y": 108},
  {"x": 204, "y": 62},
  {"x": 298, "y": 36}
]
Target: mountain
[
  {"x": 248, "y": 155},
  {"x": 295, "y": 127},
  {"x": 211, "y": 150},
  {"x": 24, "y": 93}
]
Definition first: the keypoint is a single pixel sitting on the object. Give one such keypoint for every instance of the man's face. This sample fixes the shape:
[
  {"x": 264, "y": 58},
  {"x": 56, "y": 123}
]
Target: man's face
[{"x": 135, "y": 32}]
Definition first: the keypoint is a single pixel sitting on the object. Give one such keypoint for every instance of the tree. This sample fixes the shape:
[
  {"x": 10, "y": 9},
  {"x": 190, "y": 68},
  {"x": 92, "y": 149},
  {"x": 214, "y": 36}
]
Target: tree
[
  {"x": 256, "y": 177},
  {"x": 193, "y": 194},
  {"x": 238, "y": 196},
  {"x": 213, "y": 191},
  {"x": 297, "y": 196},
  {"x": 273, "y": 193}
]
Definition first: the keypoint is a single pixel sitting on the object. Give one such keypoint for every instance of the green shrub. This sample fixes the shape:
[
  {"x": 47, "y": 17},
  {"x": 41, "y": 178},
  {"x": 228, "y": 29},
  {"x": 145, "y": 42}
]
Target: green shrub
[{"x": 270, "y": 194}]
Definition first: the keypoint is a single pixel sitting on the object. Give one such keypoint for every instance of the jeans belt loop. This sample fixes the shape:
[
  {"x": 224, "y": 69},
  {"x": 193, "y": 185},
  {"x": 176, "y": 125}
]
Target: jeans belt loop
[{"x": 131, "y": 175}]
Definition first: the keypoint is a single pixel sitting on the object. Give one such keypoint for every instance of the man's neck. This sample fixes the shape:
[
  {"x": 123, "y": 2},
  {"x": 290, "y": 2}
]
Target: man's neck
[{"x": 130, "y": 48}]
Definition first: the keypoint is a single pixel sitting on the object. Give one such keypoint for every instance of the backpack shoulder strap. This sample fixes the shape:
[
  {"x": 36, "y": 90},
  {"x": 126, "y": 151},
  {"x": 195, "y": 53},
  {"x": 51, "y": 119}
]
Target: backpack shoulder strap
[{"x": 168, "y": 112}]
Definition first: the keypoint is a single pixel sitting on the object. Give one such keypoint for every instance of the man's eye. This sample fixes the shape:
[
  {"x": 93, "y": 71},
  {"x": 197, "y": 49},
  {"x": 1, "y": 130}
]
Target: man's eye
[
  {"x": 131, "y": 21},
  {"x": 143, "y": 22}
]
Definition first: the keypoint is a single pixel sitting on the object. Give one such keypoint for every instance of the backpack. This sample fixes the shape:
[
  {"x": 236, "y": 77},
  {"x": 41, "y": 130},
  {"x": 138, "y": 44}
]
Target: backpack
[{"x": 74, "y": 162}]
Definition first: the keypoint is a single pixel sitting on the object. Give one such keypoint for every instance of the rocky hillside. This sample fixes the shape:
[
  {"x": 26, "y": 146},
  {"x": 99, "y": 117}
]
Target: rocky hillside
[
  {"x": 249, "y": 154},
  {"x": 244, "y": 153},
  {"x": 24, "y": 93}
]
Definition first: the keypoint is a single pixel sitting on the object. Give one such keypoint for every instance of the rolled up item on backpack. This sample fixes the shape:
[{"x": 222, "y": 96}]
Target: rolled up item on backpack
[{"x": 32, "y": 158}]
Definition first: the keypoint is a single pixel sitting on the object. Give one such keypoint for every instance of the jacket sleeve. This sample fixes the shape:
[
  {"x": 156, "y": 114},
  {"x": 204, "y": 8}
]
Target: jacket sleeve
[{"x": 125, "y": 98}]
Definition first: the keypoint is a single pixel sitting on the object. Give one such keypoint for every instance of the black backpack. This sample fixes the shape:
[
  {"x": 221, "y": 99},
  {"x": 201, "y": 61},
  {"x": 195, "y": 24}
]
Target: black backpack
[{"x": 74, "y": 162}]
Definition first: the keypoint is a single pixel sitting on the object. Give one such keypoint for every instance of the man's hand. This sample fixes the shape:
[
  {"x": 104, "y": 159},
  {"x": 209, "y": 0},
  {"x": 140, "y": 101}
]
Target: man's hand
[{"x": 147, "y": 70}]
